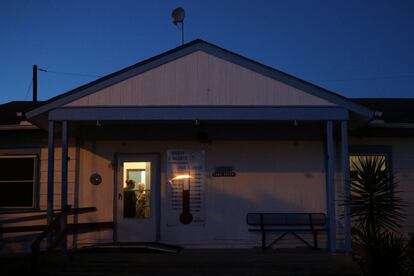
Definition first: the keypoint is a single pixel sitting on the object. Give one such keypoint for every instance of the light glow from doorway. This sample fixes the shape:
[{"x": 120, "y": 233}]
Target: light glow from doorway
[{"x": 179, "y": 177}]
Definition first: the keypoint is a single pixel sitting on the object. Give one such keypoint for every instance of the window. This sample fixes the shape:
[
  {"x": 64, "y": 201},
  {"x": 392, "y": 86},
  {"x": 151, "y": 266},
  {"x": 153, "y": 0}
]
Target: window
[
  {"x": 137, "y": 190},
  {"x": 366, "y": 153},
  {"x": 354, "y": 159},
  {"x": 18, "y": 174}
]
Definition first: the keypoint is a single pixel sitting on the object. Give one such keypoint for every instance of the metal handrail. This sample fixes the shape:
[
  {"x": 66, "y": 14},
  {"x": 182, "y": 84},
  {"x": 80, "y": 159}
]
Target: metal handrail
[
  {"x": 56, "y": 224},
  {"x": 52, "y": 226}
]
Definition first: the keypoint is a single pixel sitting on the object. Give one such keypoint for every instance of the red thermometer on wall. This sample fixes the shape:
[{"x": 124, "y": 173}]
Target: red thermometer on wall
[{"x": 186, "y": 217}]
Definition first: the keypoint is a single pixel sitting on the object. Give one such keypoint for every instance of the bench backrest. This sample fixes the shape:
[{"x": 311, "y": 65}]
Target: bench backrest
[{"x": 286, "y": 219}]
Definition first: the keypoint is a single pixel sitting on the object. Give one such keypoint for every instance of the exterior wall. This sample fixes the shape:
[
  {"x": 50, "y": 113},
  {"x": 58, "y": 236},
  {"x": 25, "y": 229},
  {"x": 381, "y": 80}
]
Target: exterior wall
[
  {"x": 402, "y": 165},
  {"x": 200, "y": 79},
  {"x": 101, "y": 196},
  {"x": 272, "y": 176},
  {"x": 16, "y": 242},
  {"x": 283, "y": 176}
]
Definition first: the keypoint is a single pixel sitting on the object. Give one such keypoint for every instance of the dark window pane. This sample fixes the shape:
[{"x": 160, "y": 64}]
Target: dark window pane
[
  {"x": 16, "y": 168},
  {"x": 16, "y": 194}
]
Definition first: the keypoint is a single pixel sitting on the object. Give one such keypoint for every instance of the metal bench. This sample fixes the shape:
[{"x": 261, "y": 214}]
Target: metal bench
[{"x": 293, "y": 223}]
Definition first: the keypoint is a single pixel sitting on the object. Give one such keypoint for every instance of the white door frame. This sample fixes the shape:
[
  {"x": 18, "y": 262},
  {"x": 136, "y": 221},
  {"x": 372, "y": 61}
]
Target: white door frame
[{"x": 156, "y": 190}]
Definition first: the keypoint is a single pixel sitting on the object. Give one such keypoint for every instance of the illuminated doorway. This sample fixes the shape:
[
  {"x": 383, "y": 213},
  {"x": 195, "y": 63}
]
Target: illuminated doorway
[{"x": 137, "y": 198}]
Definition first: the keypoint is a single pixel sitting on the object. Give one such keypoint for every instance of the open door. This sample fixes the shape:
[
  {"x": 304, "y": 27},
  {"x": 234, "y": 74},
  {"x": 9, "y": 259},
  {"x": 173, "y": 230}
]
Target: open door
[{"x": 137, "y": 198}]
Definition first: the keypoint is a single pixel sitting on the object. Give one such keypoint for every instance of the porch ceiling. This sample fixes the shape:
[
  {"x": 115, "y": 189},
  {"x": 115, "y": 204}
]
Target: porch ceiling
[
  {"x": 214, "y": 113},
  {"x": 203, "y": 131}
]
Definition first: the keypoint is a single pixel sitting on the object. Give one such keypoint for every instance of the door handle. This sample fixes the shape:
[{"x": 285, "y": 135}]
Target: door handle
[{"x": 120, "y": 196}]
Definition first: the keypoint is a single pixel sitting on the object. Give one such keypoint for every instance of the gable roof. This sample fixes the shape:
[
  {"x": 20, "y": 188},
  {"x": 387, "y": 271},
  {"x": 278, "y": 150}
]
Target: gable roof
[{"x": 199, "y": 45}]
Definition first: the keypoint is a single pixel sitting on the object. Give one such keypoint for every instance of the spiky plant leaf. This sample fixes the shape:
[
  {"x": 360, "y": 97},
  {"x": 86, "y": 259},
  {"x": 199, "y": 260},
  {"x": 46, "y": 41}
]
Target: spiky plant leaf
[{"x": 374, "y": 202}]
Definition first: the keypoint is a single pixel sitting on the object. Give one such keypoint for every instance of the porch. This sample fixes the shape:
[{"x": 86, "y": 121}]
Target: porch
[{"x": 107, "y": 138}]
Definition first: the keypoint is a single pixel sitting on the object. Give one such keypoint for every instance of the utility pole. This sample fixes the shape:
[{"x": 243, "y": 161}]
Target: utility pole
[{"x": 34, "y": 83}]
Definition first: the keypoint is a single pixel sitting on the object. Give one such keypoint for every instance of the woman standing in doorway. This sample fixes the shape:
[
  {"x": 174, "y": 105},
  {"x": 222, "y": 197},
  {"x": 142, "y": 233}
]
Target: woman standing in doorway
[{"x": 130, "y": 199}]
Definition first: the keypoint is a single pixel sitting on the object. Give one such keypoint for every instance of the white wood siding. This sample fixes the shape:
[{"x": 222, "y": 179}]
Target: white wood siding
[
  {"x": 200, "y": 79},
  {"x": 279, "y": 176},
  {"x": 18, "y": 242},
  {"x": 272, "y": 176}
]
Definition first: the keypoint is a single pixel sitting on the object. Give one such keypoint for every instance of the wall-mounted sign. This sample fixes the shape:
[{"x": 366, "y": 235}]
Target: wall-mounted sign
[
  {"x": 185, "y": 172},
  {"x": 224, "y": 171}
]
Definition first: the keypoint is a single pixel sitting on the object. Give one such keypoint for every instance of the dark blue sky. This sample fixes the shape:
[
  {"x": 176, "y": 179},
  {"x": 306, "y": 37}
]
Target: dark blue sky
[{"x": 355, "y": 48}]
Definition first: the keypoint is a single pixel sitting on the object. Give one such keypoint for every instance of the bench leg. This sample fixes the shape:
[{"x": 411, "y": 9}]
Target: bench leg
[
  {"x": 301, "y": 239},
  {"x": 263, "y": 240},
  {"x": 278, "y": 239},
  {"x": 315, "y": 239}
]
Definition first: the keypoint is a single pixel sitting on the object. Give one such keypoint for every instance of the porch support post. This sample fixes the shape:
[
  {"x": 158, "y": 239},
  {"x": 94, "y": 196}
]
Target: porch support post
[
  {"x": 346, "y": 184},
  {"x": 64, "y": 191},
  {"x": 50, "y": 173},
  {"x": 330, "y": 187}
]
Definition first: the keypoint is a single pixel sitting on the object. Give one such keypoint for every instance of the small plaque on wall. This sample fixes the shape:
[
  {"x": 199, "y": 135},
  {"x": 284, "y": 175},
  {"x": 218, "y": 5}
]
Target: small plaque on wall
[{"x": 224, "y": 171}]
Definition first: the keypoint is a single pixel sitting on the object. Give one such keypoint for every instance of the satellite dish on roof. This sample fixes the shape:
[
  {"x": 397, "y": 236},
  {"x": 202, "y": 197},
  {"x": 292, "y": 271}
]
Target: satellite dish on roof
[
  {"x": 178, "y": 15},
  {"x": 178, "y": 19}
]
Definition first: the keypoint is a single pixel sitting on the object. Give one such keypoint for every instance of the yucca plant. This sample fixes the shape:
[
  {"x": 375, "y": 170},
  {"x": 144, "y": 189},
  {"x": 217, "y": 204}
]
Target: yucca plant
[
  {"x": 376, "y": 213},
  {"x": 374, "y": 202},
  {"x": 388, "y": 255}
]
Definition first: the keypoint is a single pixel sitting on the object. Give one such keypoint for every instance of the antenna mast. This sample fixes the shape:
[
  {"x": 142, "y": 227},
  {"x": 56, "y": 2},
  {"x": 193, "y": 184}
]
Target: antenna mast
[{"x": 178, "y": 19}]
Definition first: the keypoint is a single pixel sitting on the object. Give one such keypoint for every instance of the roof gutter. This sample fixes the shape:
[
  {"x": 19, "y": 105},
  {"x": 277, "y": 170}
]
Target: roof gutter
[
  {"x": 24, "y": 125},
  {"x": 17, "y": 127},
  {"x": 382, "y": 124}
]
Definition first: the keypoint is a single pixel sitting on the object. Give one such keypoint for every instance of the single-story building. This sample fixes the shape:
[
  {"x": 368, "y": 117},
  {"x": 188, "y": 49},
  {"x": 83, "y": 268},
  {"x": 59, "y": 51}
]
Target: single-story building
[{"x": 179, "y": 148}]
